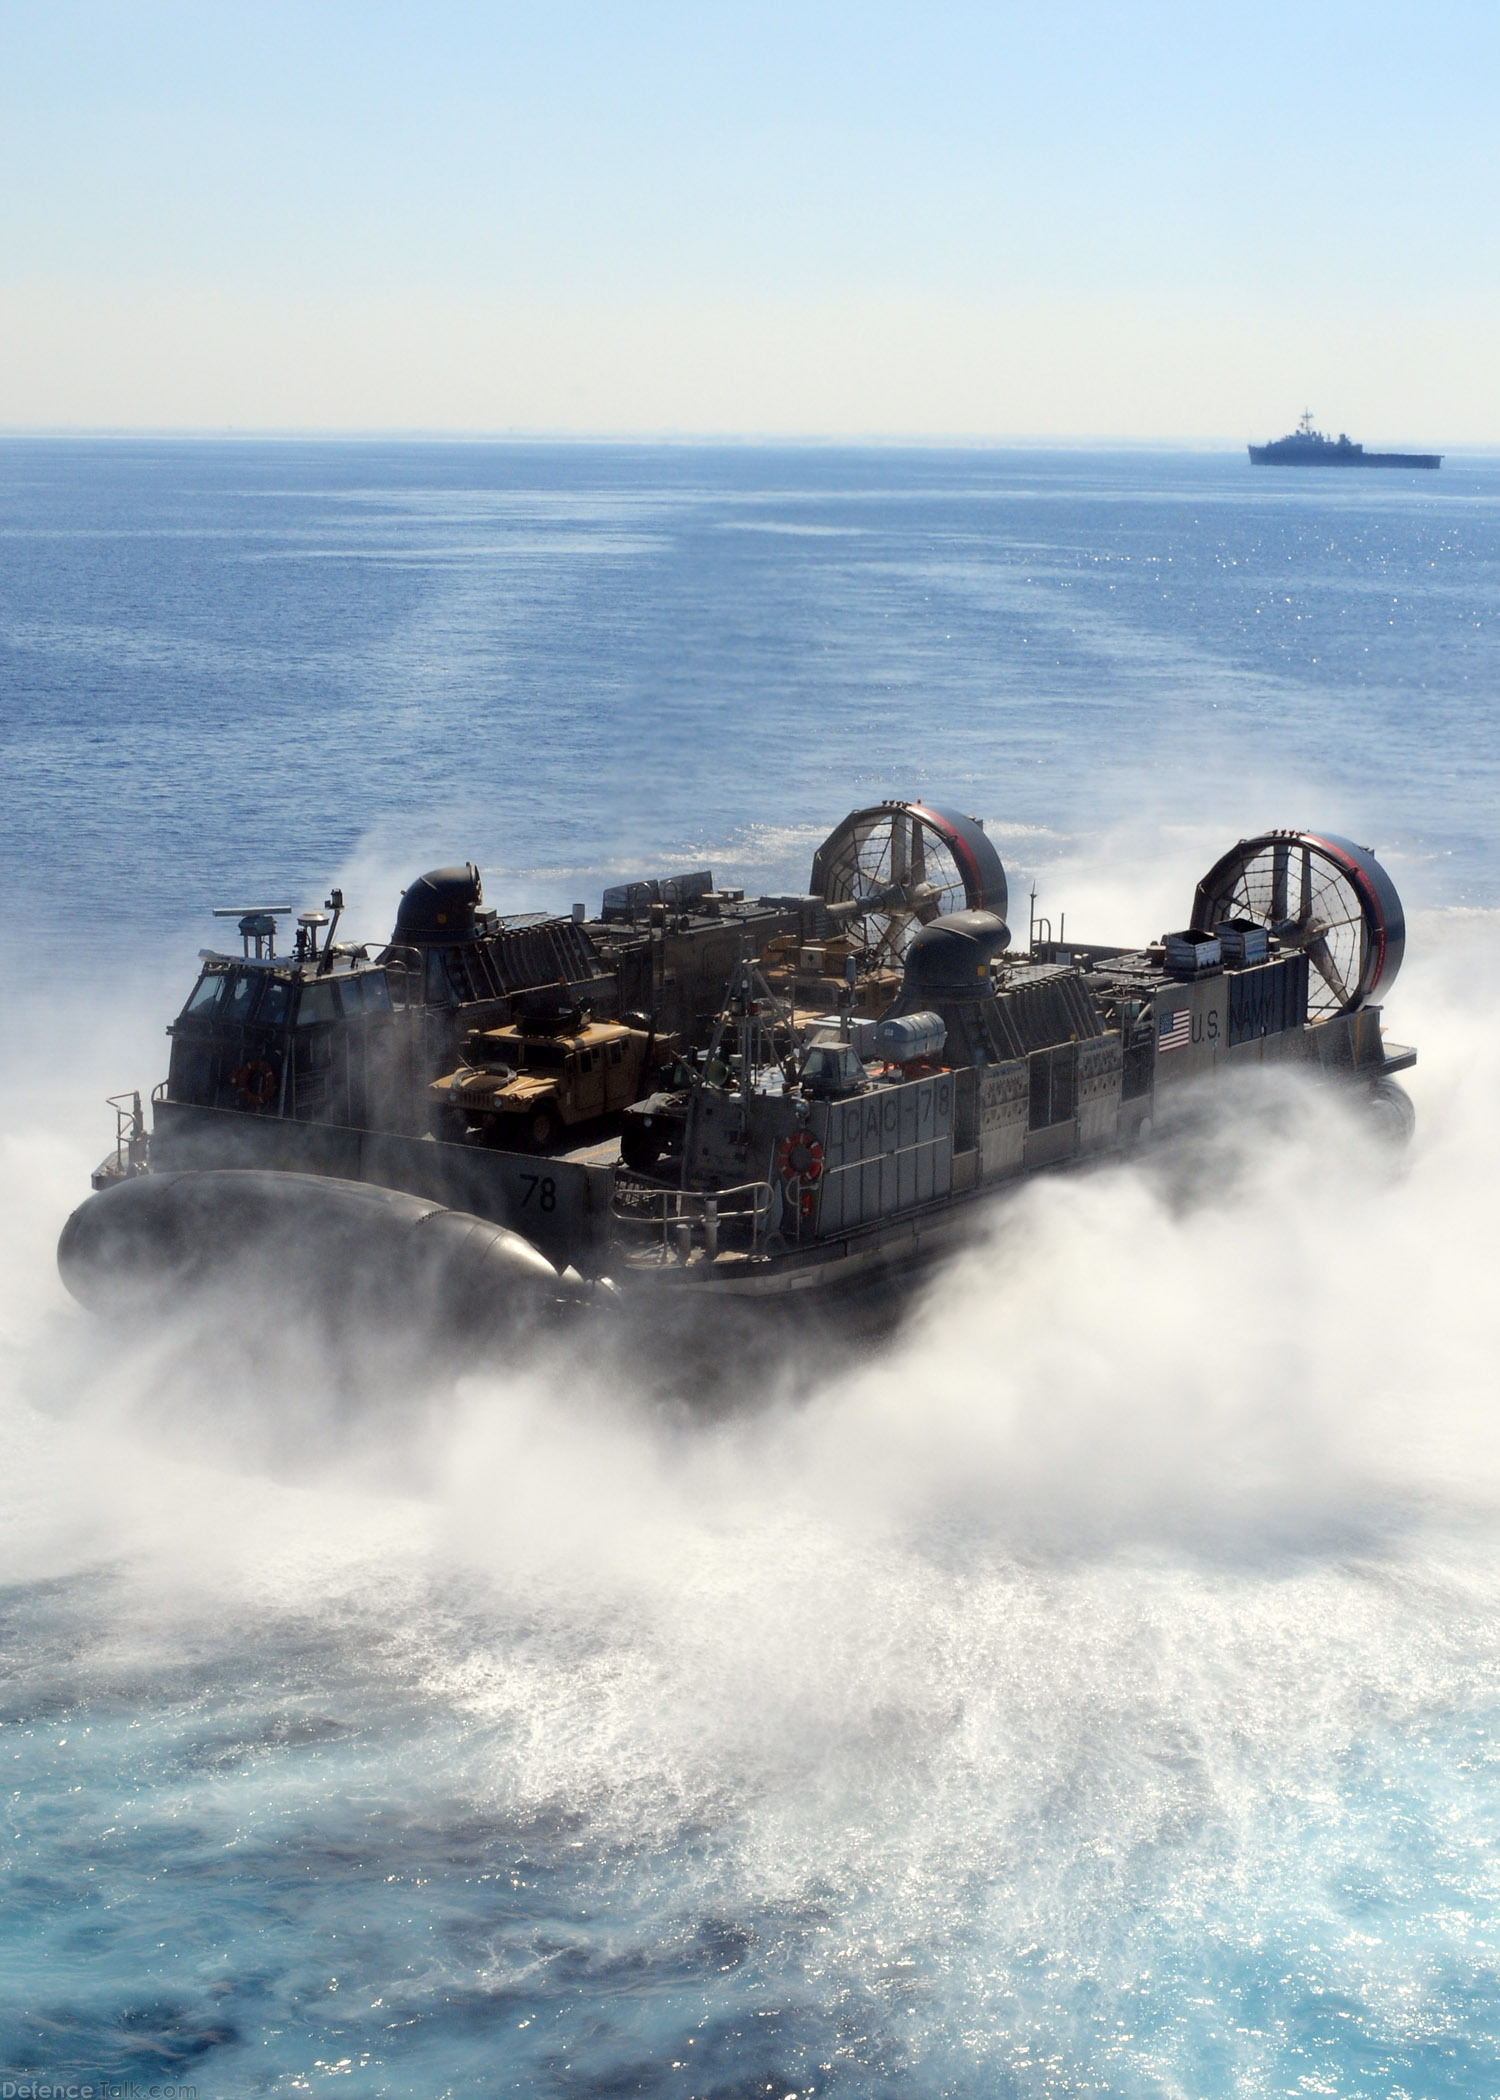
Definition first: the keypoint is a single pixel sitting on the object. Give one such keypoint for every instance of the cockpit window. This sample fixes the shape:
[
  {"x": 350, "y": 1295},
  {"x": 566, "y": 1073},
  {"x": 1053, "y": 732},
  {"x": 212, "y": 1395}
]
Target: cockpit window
[
  {"x": 316, "y": 1004},
  {"x": 831, "y": 1068},
  {"x": 207, "y": 993},
  {"x": 243, "y": 986},
  {"x": 274, "y": 1001},
  {"x": 364, "y": 992}
]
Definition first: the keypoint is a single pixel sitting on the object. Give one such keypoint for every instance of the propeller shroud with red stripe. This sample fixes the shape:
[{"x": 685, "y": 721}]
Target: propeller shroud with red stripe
[
  {"x": 1319, "y": 893},
  {"x": 904, "y": 864}
]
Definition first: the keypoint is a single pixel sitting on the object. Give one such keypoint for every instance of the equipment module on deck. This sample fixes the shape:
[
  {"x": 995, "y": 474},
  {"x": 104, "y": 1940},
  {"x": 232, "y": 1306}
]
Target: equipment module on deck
[{"x": 804, "y": 1090}]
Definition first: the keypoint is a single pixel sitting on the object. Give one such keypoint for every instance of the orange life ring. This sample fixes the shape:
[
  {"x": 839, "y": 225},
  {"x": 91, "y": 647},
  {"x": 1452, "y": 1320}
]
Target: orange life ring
[
  {"x": 254, "y": 1082},
  {"x": 800, "y": 1157}
]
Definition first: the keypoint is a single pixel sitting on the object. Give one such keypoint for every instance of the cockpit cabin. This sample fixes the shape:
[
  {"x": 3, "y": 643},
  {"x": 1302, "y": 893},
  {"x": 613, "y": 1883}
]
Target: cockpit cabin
[{"x": 334, "y": 1041}]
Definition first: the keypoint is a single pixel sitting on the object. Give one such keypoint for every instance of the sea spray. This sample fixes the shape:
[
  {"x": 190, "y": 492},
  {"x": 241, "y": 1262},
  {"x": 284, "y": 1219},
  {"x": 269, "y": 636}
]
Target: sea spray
[
  {"x": 1096, "y": 1690},
  {"x": 1091, "y": 1687}
]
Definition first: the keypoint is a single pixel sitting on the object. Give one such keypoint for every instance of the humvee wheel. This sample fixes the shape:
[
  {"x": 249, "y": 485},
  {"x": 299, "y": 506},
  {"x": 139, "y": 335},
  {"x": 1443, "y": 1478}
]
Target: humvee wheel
[{"x": 543, "y": 1129}]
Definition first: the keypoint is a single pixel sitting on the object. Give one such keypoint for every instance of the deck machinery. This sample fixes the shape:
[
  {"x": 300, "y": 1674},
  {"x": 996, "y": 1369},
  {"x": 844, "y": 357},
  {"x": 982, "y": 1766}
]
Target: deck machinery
[{"x": 808, "y": 1091}]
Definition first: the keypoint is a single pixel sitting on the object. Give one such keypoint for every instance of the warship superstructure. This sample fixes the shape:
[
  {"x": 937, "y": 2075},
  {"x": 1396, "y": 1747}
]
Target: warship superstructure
[
  {"x": 699, "y": 1092},
  {"x": 1307, "y": 447}
]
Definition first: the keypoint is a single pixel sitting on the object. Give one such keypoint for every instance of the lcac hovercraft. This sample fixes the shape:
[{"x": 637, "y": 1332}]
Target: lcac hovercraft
[{"x": 501, "y": 1115}]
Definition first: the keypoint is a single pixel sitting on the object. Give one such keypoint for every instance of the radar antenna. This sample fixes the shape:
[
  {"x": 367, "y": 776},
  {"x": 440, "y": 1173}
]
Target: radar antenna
[{"x": 257, "y": 923}]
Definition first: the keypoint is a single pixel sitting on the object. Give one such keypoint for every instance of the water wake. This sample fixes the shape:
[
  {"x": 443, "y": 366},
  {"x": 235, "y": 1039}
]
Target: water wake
[{"x": 1089, "y": 1688}]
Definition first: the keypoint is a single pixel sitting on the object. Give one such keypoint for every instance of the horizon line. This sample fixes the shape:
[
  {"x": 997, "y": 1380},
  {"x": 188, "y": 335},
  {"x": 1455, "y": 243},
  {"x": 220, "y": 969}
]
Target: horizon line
[{"x": 522, "y": 434}]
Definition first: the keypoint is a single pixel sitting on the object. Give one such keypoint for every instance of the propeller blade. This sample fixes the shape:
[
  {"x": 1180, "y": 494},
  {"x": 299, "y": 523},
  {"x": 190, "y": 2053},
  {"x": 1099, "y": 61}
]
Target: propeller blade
[
  {"x": 1280, "y": 856},
  {"x": 895, "y": 927},
  {"x": 1322, "y": 962}
]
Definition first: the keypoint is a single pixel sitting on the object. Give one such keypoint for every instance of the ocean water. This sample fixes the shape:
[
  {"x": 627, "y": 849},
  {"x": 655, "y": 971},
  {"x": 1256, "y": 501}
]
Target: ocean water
[{"x": 1092, "y": 1689}]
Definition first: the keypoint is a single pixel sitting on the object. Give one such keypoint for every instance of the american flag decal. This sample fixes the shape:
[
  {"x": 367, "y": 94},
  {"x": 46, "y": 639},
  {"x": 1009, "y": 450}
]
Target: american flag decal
[{"x": 1174, "y": 1031}]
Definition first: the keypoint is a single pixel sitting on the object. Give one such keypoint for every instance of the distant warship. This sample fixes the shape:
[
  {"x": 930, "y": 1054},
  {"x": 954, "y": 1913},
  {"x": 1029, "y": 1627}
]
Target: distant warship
[{"x": 1307, "y": 447}]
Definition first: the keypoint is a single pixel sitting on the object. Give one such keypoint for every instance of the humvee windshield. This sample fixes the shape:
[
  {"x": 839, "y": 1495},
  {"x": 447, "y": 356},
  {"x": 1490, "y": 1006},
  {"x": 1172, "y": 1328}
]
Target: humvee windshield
[{"x": 545, "y": 1057}]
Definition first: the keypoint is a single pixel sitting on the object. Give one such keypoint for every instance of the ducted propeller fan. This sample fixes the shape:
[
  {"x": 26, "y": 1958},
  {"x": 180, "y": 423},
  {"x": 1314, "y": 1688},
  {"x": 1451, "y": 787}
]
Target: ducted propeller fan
[
  {"x": 890, "y": 870},
  {"x": 1322, "y": 894}
]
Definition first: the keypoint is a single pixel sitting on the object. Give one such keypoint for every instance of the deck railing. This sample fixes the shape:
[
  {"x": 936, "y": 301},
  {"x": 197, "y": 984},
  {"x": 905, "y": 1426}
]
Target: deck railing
[
  {"x": 129, "y": 1155},
  {"x": 680, "y": 1219}
]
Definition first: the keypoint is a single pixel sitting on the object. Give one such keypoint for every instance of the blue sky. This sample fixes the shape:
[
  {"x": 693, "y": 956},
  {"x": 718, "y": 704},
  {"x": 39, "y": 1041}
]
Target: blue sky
[{"x": 1138, "y": 220}]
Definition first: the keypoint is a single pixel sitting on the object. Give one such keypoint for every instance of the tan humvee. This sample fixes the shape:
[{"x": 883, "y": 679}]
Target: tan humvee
[{"x": 526, "y": 1089}]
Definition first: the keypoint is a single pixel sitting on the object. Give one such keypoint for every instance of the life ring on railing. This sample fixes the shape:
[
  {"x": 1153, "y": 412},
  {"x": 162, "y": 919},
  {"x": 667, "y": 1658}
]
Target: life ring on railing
[
  {"x": 800, "y": 1157},
  {"x": 254, "y": 1081}
]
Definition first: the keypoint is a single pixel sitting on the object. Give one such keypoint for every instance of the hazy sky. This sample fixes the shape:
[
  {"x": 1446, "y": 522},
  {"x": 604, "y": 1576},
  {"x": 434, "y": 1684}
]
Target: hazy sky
[{"x": 1071, "y": 219}]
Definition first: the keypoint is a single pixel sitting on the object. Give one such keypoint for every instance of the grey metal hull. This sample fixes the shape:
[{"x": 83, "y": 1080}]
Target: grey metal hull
[{"x": 1273, "y": 456}]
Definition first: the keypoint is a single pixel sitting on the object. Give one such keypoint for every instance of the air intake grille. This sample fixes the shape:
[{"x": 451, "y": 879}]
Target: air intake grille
[{"x": 1034, "y": 1016}]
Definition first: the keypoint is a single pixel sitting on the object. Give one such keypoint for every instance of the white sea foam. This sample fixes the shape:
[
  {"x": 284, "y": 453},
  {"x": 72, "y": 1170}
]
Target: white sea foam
[{"x": 1088, "y": 1656}]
